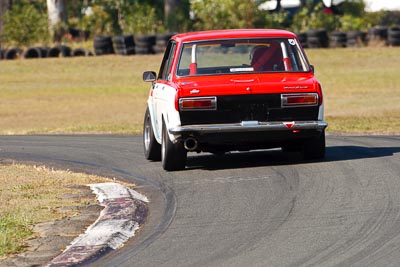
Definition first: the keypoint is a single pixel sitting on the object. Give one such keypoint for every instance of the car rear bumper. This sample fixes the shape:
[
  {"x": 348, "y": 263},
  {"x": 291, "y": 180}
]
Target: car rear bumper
[{"x": 249, "y": 126}]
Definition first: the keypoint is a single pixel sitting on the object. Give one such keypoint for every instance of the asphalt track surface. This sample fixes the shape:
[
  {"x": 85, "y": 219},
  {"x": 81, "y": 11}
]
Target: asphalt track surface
[{"x": 263, "y": 208}]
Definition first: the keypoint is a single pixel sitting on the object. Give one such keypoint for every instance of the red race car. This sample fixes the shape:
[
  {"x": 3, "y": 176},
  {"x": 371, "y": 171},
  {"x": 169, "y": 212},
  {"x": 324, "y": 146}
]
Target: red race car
[{"x": 233, "y": 90}]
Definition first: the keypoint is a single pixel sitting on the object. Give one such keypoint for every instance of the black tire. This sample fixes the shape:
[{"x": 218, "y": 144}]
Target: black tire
[
  {"x": 303, "y": 39},
  {"x": 2, "y": 52},
  {"x": 394, "y": 36},
  {"x": 379, "y": 31},
  {"x": 356, "y": 39},
  {"x": 314, "y": 148},
  {"x": 317, "y": 38},
  {"x": 173, "y": 156},
  {"x": 13, "y": 53},
  {"x": 152, "y": 149},
  {"x": 144, "y": 49},
  {"x": 377, "y": 34},
  {"x": 44, "y": 51},
  {"x": 163, "y": 39},
  {"x": 338, "y": 39},
  {"x": 33, "y": 52},
  {"x": 145, "y": 44},
  {"x": 124, "y": 45},
  {"x": 78, "y": 34},
  {"x": 159, "y": 49},
  {"x": 145, "y": 39},
  {"x": 81, "y": 52},
  {"x": 394, "y": 42},
  {"x": 103, "y": 45},
  {"x": 60, "y": 51}
]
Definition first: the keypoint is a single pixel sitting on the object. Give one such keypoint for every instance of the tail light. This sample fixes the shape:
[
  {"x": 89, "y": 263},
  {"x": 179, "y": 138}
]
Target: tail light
[
  {"x": 293, "y": 100},
  {"x": 198, "y": 103}
]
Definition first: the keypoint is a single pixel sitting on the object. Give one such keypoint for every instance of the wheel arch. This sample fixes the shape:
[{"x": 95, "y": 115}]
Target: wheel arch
[{"x": 157, "y": 132}]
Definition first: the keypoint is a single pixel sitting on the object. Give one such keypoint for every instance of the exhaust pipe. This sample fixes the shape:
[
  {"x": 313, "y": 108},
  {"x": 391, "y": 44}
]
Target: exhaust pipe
[{"x": 190, "y": 144}]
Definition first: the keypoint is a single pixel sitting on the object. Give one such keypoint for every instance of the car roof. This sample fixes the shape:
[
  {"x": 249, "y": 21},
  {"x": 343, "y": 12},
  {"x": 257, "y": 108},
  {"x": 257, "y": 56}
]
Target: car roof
[{"x": 230, "y": 34}]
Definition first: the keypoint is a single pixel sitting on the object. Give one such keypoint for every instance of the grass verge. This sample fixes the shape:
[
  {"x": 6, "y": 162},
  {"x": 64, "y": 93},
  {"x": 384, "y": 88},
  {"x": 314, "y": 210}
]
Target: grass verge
[
  {"x": 31, "y": 195},
  {"x": 361, "y": 87}
]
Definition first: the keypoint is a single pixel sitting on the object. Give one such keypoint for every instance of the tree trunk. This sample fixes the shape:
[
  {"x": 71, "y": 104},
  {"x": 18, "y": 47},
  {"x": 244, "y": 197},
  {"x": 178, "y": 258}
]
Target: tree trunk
[
  {"x": 170, "y": 7},
  {"x": 4, "y": 7},
  {"x": 57, "y": 12}
]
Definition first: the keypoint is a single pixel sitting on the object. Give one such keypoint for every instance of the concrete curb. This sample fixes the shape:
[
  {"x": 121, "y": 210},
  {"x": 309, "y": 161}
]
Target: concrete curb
[{"x": 125, "y": 210}]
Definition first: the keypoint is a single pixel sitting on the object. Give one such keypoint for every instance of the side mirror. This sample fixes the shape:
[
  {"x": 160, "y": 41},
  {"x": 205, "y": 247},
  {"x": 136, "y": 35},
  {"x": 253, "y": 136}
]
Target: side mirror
[
  {"x": 149, "y": 76},
  {"x": 312, "y": 68}
]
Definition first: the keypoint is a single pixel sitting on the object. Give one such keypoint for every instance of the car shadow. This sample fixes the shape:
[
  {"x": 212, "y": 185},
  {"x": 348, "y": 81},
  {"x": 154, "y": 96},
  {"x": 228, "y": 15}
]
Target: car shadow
[{"x": 275, "y": 157}]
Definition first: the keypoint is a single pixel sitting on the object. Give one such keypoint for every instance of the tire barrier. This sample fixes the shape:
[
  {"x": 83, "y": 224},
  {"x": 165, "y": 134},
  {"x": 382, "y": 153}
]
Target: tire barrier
[
  {"x": 124, "y": 45},
  {"x": 338, "y": 39},
  {"x": 356, "y": 39},
  {"x": 377, "y": 35},
  {"x": 317, "y": 38},
  {"x": 2, "y": 51},
  {"x": 60, "y": 51},
  {"x": 303, "y": 39},
  {"x": 45, "y": 51},
  {"x": 81, "y": 52},
  {"x": 13, "y": 53},
  {"x": 32, "y": 52},
  {"x": 152, "y": 44},
  {"x": 78, "y": 34},
  {"x": 103, "y": 45},
  {"x": 394, "y": 36},
  {"x": 162, "y": 42},
  {"x": 36, "y": 52},
  {"x": 145, "y": 44}
]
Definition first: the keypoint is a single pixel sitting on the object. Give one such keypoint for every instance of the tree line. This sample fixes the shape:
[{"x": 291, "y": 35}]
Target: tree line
[{"x": 26, "y": 22}]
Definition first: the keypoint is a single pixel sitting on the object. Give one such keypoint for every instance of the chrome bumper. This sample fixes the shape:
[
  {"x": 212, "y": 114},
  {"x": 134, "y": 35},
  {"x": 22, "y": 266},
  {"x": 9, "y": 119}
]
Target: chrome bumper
[{"x": 249, "y": 126}]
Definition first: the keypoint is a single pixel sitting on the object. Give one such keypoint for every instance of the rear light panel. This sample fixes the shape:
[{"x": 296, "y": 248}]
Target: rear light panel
[
  {"x": 198, "y": 103},
  {"x": 295, "y": 100}
]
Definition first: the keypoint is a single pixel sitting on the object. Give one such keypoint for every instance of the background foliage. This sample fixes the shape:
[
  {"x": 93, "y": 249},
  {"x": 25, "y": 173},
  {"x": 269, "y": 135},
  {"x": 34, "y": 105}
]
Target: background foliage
[
  {"x": 224, "y": 14},
  {"x": 26, "y": 23}
]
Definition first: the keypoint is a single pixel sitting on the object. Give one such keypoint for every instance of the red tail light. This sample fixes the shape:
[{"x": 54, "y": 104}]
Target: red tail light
[
  {"x": 306, "y": 99},
  {"x": 198, "y": 103}
]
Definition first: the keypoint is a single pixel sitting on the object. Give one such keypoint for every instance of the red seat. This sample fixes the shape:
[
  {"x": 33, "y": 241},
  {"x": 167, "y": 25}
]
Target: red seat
[{"x": 267, "y": 58}]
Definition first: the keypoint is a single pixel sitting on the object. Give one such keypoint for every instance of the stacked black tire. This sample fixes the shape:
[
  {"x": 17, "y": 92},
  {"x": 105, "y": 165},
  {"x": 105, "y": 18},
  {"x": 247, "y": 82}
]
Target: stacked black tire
[
  {"x": 303, "y": 39},
  {"x": 317, "y": 38},
  {"x": 394, "y": 36},
  {"x": 124, "y": 45},
  {"x": 2, "y": 51},
  {"x": 162, "y": 42},
  {"x": 377, "y": 35},
  {"x": 356, "y": 39},
  {"x": 145, "y": 44},
  {"x": 103, "y": 45},
  {"x": 338, "y": 39}
]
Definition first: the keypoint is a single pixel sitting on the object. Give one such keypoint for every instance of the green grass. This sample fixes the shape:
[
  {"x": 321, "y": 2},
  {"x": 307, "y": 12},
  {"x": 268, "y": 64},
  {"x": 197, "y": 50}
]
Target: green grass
[
  {"x": 107, "y": 95},
  {"x": 362, "y": 88},
  {"x": 74, "y": 95}
]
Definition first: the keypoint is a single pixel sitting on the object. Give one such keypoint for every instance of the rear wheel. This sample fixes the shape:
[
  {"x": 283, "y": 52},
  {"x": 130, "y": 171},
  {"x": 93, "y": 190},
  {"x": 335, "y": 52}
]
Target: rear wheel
[
  {"x": 152, "y": 149},
  {"x": 173, "y": 156},
  {"x": 314, "y": 148}
]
